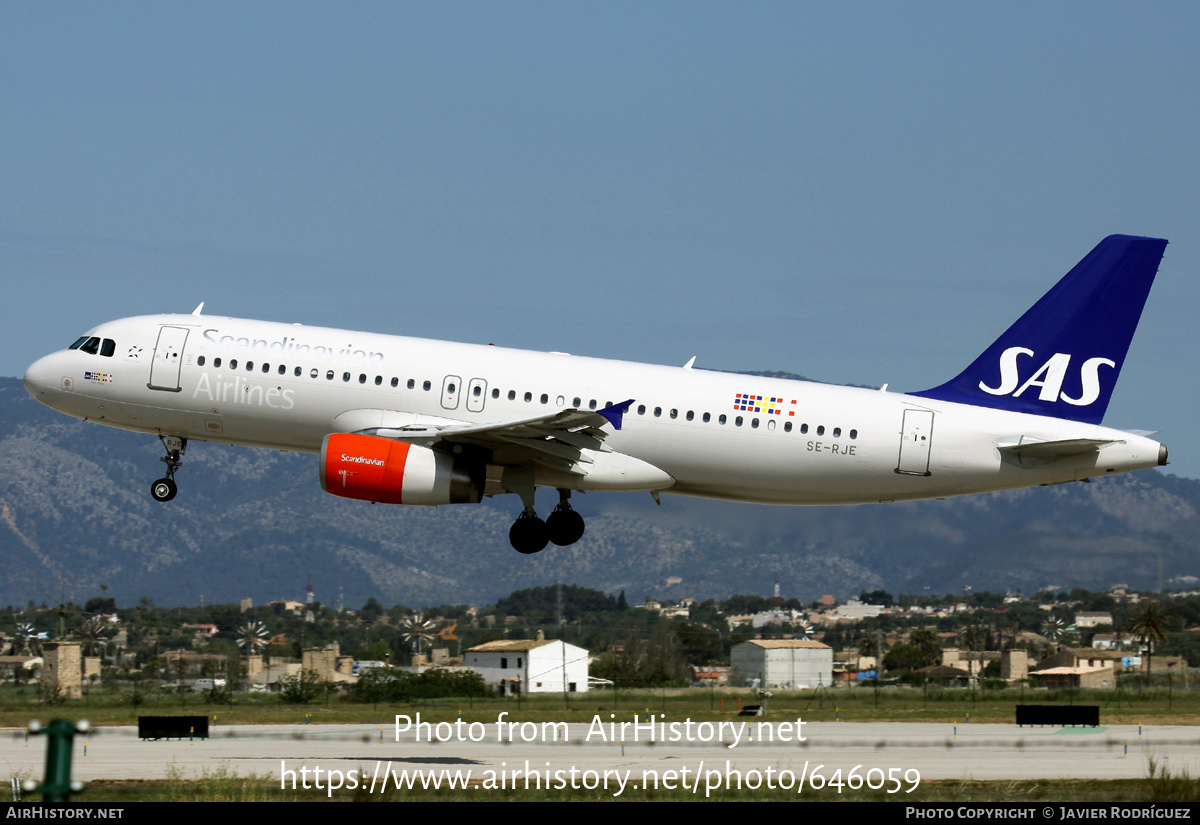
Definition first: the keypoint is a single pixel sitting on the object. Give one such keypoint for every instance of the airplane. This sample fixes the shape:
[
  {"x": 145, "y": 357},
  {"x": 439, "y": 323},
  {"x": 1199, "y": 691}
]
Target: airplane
[{"x": 409, "y": 421}]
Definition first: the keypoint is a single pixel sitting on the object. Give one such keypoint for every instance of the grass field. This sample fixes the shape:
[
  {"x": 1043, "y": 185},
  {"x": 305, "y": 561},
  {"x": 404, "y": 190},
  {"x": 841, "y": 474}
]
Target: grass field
[{"x": 1157, "y": 706}]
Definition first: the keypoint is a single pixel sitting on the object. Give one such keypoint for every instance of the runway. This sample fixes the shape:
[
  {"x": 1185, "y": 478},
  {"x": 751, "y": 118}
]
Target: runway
[{"x": 888, "y": 754}]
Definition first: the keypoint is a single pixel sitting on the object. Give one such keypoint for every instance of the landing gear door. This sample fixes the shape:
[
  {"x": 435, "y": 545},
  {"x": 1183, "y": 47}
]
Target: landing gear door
[
  {"x": 168, "y": 358},
  {"x": 916, "y": 438}
]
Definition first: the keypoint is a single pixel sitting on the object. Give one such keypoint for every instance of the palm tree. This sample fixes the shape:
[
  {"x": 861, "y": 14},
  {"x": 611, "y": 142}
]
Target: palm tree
[{"x": 1149, "y": 625}]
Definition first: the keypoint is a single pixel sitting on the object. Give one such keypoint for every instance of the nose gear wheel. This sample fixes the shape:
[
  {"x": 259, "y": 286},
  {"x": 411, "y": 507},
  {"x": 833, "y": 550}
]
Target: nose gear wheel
[{"x": 165, "y": 489}]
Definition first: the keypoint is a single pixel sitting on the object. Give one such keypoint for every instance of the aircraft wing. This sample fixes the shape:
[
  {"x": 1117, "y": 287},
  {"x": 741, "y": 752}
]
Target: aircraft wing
[{"x": 558, "y": 440}]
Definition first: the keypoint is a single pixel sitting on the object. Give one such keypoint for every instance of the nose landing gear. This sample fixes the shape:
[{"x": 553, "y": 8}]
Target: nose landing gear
[{"x": 165, "y": 489}]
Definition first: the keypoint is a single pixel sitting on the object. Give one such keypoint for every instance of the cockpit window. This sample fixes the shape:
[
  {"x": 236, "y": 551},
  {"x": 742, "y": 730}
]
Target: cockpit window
[
  {"x": 90, "y": 346},
  {"x": 78, "y": 343},
  {"x": 108, "y": 347}
]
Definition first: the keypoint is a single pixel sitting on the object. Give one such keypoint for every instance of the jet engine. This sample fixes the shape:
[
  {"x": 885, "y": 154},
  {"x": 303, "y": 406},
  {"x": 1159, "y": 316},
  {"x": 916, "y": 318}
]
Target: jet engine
[{"x": 393, "y": 472}]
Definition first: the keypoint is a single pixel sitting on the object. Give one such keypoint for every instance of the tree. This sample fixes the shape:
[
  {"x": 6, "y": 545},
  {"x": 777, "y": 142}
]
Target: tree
[
  {"x": 301, "y": 688},
  {"x": 1150, "y": 627},
  {"x": 929, "y": 644},
  {"x": 876, "y": 597},
  {"x": 904, "y": 657}
]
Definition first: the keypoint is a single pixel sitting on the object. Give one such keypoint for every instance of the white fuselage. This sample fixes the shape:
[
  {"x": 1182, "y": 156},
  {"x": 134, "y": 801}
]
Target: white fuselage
[{"x": 802, "y": 443}]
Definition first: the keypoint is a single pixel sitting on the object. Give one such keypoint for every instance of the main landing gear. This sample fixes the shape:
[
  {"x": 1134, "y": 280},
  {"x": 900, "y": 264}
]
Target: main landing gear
[
  {"x": 529, "y": 534},
  {"x": 165, "y": 489}
]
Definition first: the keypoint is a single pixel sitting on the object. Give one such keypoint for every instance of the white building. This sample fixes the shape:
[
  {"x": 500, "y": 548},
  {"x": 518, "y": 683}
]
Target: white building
[
  {"x": 784, "y": 663},
  {"x": 537, "y": 666}
]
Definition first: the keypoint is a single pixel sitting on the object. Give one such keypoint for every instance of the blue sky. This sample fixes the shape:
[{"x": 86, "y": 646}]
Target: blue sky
[{"x": 859, "y": 192}]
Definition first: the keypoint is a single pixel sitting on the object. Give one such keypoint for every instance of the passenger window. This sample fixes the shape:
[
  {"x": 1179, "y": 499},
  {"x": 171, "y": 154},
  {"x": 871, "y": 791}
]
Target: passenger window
[
  {"x": 837, "y": 431},
  {"x": 425, "y": 385},
  {"x": 560, "y": 401},
  {"x": 217, "y": 362},
  {"x": 674, "y": 413},
  {"x": 821, "y": 430},
  {"x": 787, "y": 426},
  {"x": 770, "y": 423},
  {"x": 345, "y": 377},
  {"x": 853, "y": 434},
  {"x": 200, "y": 361},
  {"x": 658, "y": 412},
  {"x": 528, "y": 397},
  {"x": 283, "y": 370},
  {"x": 108, "y": 348},
  {"x": 411, "y": 383},
  {"x": 754, "y": 423},
  {"x": 707, "y": 418},
  {"x": 378, "y": 380},
  {"x": 313, "y": 373},
  {"x": 266, "y": 367},
  {"x": 512, "y": 395},
  {"x": 545, "y": 398},
  {"x": 495, "y": 393},
  {"x": 803, "y": 429},
  {"x": 362, "y": 378},
  {"x": 249, "y": 366},
  {"x": 395, "y": 382},
  {"x": 477, "y": 391},
  {"x": 233, "y": 363},
  {"x": 299, "y": 371},
  {"x": 641, "y": 409},
  {"x": 329, "y": 375},
  {"x": 592, "y": 404},
  {"x": 690, "y": 415},
  {"x": 450, "y": 388},
  {"x": 722, "y": 419},
  {"x": 578, "y": 402}
]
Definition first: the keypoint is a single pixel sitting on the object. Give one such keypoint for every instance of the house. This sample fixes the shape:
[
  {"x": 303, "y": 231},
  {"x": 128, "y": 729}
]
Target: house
[
  {"x": 531, "y": 666},
  {"x": 1083, "y": 668},
  {"x": 784, "y": 663}
]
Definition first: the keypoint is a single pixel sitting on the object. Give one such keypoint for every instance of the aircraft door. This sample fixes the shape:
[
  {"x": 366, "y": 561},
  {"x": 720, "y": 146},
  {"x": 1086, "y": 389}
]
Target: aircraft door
[
  {"x": 476, "y": 394},
  {"x": 451, "y": 385},
  {"x": 916, "y": 438},
  {"x": 168, "y": 358}
]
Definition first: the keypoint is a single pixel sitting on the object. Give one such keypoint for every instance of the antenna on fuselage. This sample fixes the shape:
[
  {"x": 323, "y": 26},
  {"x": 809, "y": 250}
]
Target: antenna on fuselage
[{"x": 198, "y": 309}]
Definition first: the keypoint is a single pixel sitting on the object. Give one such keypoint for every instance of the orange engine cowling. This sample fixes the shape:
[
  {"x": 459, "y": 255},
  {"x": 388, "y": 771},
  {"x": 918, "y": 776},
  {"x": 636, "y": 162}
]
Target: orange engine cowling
[{"x": 393, "y": 472}]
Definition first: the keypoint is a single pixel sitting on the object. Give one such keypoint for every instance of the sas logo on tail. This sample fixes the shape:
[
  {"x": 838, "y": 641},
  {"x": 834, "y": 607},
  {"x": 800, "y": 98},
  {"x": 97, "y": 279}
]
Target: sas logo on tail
[{"x": 1049, "y": 377}]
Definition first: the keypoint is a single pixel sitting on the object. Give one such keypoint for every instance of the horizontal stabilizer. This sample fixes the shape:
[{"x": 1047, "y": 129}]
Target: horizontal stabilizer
[{"x": 1024, "y": 446}]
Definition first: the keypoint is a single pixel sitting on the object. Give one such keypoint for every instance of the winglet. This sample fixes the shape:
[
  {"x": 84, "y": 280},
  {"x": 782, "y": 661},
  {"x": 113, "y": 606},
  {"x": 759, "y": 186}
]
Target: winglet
[{"x": 614, "y": 412}]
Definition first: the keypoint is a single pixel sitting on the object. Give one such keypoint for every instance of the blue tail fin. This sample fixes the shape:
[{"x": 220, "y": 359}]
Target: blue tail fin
[{"x": 1063, "y": 356}]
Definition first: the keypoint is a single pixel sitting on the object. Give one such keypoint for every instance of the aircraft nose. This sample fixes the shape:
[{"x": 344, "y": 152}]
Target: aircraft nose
[{"x": 43, "y": 377}]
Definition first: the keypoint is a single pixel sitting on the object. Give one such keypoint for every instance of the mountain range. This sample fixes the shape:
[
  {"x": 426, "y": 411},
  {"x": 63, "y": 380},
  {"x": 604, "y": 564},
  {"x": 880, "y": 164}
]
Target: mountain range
[{"x": 77, "y": 521}]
